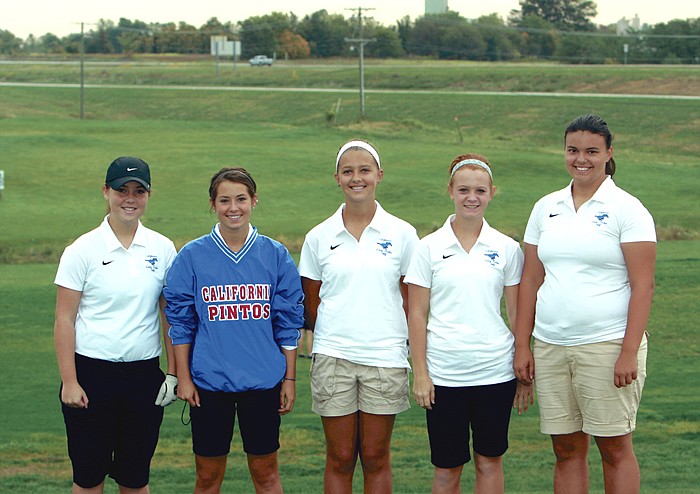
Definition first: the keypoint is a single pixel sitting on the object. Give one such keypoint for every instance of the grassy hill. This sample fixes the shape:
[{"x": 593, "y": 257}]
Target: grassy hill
[{"x": 54, "y": 166}]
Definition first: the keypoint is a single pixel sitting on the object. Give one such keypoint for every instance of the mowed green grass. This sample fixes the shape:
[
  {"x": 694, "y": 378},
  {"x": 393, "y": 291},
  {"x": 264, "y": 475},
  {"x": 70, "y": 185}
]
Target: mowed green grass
[
  {"x": 379, "y": 74},
  {"x": 55, "y": 163}
]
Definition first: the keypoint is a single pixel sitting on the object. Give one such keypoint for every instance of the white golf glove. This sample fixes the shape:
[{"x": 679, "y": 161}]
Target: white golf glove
[{"x": 168, "y": 391}]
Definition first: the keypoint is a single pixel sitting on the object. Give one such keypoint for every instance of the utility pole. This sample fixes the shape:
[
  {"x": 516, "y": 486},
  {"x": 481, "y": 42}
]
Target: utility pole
[
  {"x": 82, "y": 66},
  {"x": 361, "y": 41}
]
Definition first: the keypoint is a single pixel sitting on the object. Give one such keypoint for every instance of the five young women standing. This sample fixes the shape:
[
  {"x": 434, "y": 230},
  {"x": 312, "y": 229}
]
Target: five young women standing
[{"x": 234, "y": 300}]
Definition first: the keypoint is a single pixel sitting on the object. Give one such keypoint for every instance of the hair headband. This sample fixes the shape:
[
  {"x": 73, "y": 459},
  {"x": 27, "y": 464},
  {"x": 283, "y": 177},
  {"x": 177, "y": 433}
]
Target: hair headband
[
  {"x": 226, "y": 175},
  {"x": 357, "y": 144},
  {"x": 471, "y": 162}
]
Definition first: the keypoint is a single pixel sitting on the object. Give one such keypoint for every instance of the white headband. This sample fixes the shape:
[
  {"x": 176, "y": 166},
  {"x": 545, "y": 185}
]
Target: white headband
[
  {"x": 471, "y": 162},
  {"x": 357, "y": 144}
]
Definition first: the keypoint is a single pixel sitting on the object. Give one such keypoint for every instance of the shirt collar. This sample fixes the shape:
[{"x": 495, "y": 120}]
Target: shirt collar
[
  {"x": 236, "y": 257},
  {"x": 111, "y": 240},
  {"x": 604, "y": 189},
  {"x": 217, "y": 230},
  {"x": 486, "y": 235},
  {"x": 377, "y": 223}
]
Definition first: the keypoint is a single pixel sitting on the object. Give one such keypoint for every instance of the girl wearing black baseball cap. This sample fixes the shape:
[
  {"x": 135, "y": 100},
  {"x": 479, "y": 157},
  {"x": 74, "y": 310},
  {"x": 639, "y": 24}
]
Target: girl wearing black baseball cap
[{"x": 107, "y": 337}]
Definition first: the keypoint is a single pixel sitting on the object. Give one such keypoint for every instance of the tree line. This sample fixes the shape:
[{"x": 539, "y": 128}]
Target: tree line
[{"x": 541, "y": 29}]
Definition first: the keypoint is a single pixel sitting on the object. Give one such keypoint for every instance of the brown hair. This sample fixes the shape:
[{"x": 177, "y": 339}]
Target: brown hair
[{"x": 235, "y": 174}]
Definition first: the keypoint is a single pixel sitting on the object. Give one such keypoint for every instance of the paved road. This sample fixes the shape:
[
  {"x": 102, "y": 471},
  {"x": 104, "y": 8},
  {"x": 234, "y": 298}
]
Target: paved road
[{"x": 346, "y": 91}]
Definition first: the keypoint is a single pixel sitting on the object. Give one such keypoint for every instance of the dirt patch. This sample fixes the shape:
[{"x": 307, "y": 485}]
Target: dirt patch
[{"x": 676, "y": 87}]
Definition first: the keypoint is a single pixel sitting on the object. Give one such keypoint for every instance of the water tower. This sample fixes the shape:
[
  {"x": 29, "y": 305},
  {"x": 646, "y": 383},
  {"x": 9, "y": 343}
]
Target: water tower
[{"x": 436, "y": 6}]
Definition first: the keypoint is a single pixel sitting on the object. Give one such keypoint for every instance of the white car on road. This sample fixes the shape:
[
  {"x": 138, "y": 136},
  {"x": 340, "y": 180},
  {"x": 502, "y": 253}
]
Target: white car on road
[{"x": 260, "y": 60}]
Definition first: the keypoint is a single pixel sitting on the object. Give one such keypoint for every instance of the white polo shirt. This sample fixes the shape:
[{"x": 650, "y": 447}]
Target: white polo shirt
[
  {"x": 118, "y": 312},
  {"x": 585, "y": 294},
  {"x": 468, "y": 341},
  {"x": 361, "y": 316}
]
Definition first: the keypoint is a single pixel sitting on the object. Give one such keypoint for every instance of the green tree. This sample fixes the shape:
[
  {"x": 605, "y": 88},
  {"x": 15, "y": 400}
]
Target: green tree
[
  {"x": 463, "y": 43},
  {"x": 403, "y": 28},
  {"x": 9, "y": 43},
  {"x": 429, "y": 32},
  {"x": 538, "y": 38},
  {"x": 50, "y": 43},
  {"x": 134, "y": 36},
  {"x": 260, "y": 34},
  {"x": 565, "y": 15},
  {"x": 589, "y": 49},
  {"x": 103, "y": 39},
  {"x": 387, "y": 43},
  {"x": 325, "y": 33},
  {"x": 678, "y": 41},
  {"x": 501, "y": 42},
  {"x": 71, "y": 43},
  {"x": 181, "y": 38}
]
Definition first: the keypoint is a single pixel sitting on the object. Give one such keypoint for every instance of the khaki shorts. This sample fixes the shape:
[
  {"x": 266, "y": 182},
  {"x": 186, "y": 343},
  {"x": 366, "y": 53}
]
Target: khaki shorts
[
  {"x": 576, "y": 389},
  {"x": 340, "y": 387}
]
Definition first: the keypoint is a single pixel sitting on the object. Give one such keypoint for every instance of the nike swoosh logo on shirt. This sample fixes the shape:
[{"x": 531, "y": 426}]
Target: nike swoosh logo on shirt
[
  {"x": 104, "y": 263},
  {"x": 552, "y": 215},
  {"x": 445, "y": 257},
  {"x": 333, "y": 247}
]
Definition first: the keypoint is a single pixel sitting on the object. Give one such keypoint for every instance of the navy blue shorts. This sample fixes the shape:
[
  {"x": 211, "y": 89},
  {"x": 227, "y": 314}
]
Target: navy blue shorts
[
  {"x": 258, "y": 421},
  {"x": 484, "y": 409},
  {"x": 117, "y": 434}
]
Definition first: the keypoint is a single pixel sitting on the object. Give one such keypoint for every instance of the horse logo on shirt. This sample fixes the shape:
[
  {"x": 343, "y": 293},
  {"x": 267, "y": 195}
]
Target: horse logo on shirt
[
  {"x": 151, "y": 262},
  {"x": 384, "y": 246},
  {"x": 600, "y": 218},
  {"x": 492, "y": 257}
]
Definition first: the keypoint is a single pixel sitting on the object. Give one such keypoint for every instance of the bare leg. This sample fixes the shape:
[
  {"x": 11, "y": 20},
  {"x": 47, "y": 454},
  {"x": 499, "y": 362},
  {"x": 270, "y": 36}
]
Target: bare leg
[
  {"x": 447, "y": 480},
  {"x": 265, "y": 473},
  {"x": 210, "y": 474},
  {"x": 489, "y": 475},
  {"x": 341, "y": 453},
  {"x": 375, "y": 455},
  {"x": 571, "y": 468},
  {"x": 620, "y": 467},
  {"x": 98, "y": 489},
  {"x": 129, "y": 490}
]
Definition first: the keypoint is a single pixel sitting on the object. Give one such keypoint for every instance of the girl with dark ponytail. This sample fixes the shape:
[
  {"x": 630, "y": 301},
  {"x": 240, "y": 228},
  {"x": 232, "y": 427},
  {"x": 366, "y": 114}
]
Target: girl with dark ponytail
[{"x": 585, "y": 296}]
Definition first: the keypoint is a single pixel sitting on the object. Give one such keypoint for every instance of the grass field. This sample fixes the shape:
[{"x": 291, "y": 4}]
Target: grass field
[
  {"x": 380, "y": 74},
  {"x": 54, "y": 164}
]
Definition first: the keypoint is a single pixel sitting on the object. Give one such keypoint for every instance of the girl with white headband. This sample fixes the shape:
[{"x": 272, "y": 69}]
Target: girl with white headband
[
  {"x": 352, "y": 266},
  {"x": 462, "y": 349}
]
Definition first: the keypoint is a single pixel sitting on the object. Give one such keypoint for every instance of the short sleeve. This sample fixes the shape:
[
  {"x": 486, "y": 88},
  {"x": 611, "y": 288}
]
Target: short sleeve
[
  {"x": 72, "y": 269},
  {"x": 533, "y": 228},
  {"x": 514, "y": 266},
  {"x": 637, "y": 224},
  {"x": 309, "y": 267},
  {"x": 419, "y": 270}
]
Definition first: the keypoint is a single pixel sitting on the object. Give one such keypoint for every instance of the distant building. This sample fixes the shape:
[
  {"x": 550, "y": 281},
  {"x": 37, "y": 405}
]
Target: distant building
[
  {"x": 436, "y": 6},
  {"x": 624, "y": 25}
]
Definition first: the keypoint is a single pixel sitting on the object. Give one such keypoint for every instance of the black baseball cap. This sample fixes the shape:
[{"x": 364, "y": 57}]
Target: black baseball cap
[{"x": 126, "y": 169}]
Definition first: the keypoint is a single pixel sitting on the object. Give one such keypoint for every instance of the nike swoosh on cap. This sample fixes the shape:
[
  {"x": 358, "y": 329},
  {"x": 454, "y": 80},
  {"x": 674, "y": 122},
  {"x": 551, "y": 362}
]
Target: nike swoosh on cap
[{"x": 131, "y": 169}]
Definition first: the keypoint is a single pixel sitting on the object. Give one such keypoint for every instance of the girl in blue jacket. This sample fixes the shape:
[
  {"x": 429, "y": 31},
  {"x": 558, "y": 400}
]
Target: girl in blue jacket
[{"x": 234, "y": 303}]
